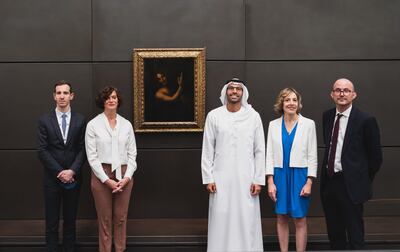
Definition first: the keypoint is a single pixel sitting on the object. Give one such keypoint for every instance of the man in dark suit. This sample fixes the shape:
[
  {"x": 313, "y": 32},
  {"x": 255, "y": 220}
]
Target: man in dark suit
[
  {"x": 61, "y": 135},
  {"x": 352, "y": 157}
]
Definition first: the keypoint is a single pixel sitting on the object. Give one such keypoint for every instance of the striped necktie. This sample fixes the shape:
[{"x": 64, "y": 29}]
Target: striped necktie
[
  {"x": 64, "y": 123},
  {"x": 332, "y": 151}
]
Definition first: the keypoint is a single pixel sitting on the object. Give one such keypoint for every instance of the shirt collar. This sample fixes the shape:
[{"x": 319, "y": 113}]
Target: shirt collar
[
  {"x": 59, "y": 113},
  {"x": 345, "y": 113}
]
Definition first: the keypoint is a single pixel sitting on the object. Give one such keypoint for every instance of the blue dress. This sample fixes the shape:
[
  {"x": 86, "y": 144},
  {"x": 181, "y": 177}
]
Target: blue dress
[{"x": 289, "y": 181}]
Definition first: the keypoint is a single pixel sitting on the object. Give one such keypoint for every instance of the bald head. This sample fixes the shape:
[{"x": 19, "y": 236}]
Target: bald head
[
  {"x": 343, "y": 94},
  {"x": 344, "y": 82}
]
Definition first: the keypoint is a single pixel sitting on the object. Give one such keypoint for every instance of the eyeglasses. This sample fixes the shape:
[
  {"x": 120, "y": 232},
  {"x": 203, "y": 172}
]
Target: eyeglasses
[{"x": 338, "y": 91}]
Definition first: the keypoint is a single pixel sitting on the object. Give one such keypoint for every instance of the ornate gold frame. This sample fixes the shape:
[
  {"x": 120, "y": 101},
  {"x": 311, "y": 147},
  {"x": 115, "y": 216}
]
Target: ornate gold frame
[{"x": 139, "y": 55}]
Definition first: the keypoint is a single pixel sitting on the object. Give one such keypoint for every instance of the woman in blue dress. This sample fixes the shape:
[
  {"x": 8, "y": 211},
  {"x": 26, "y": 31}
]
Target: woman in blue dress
[{"x": 291, "y": 166}]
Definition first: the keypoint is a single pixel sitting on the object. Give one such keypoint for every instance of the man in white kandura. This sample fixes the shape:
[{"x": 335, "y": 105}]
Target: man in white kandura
[{"x": 233, "y": 167}]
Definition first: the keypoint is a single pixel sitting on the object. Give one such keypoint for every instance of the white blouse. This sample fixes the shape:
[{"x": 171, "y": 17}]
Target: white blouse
[{"x": 105, "y": 145}]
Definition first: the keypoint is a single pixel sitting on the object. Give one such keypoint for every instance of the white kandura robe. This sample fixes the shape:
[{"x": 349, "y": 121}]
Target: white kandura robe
[{"x": 233, "y": 157}]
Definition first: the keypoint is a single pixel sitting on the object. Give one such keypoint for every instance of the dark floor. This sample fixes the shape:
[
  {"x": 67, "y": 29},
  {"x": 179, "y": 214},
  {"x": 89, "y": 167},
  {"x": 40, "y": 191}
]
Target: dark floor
[
  {"x": 189, "y": 235},
  {"x": 186, "y": 246}
]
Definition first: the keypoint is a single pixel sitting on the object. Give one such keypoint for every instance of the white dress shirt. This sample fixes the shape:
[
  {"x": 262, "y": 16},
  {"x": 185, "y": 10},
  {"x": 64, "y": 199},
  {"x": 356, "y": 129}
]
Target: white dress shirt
[
  {"x": 105, "y": 145},
  {"x": 342, "y": 131},
  {"x": 59, "y": 120}
]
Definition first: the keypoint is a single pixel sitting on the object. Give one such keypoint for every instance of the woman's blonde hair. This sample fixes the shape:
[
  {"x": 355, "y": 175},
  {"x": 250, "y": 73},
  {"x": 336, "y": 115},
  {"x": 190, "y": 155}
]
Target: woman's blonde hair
[{"x": 278, "y": 106}]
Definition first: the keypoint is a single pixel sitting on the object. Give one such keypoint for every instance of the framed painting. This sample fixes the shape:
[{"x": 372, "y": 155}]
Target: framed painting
[{"x": 169, "y": 89}]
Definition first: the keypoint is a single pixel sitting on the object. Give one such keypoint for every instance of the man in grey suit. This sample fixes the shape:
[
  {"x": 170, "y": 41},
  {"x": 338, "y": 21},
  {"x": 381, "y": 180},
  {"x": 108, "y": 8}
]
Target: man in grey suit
[{"x": 62, "y": 152}]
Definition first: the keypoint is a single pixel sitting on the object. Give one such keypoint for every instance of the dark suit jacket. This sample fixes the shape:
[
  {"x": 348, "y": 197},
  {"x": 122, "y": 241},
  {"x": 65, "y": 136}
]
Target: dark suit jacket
[
  {"x": 53, "y": 153},
  {"x": 361, "y": 153}
]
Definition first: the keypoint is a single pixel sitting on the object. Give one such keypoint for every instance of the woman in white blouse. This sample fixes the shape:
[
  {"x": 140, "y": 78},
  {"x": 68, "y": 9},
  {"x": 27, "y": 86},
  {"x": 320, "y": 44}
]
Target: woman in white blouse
[{"x": 111, "y": 151}]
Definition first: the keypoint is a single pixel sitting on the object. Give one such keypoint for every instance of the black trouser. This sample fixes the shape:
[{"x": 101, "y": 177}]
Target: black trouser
[
  {"x": 344, "y": 219},
  {"x": 54, "y": 197}
]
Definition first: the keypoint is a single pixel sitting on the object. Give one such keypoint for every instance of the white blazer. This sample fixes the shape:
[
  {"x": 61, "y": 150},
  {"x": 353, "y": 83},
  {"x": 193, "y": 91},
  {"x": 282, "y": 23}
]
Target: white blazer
[{"x": 304, "y": 149}]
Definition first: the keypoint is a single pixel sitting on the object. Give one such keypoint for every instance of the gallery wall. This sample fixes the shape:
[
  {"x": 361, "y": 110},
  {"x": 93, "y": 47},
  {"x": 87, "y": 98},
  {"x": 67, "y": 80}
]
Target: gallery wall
[{"x": 269, "y": 44}]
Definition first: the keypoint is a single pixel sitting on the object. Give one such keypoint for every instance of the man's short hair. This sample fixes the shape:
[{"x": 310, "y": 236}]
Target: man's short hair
[
  {"x": 63, "y": 82},
  {"x": 278, "y": 106},
  {"x": 104, "y": 94}
]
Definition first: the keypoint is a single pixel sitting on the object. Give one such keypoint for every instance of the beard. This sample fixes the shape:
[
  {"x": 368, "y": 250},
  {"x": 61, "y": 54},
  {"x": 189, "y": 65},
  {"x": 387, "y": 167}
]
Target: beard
[{"x": 234, "y": 101}]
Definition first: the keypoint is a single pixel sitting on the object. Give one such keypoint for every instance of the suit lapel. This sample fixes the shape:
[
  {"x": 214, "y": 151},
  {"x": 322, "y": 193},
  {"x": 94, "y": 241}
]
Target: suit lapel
[
  {"x": 349, "y": 129},
  {"x": 71, "y": 128},
  {"x": 54, "y": 122},
  {"x": 329, "y": 127}
]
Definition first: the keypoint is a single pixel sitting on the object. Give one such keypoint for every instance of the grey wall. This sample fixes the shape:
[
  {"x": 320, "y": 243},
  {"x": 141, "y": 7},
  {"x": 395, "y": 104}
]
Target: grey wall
[{"x": 270, "y": 44}]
